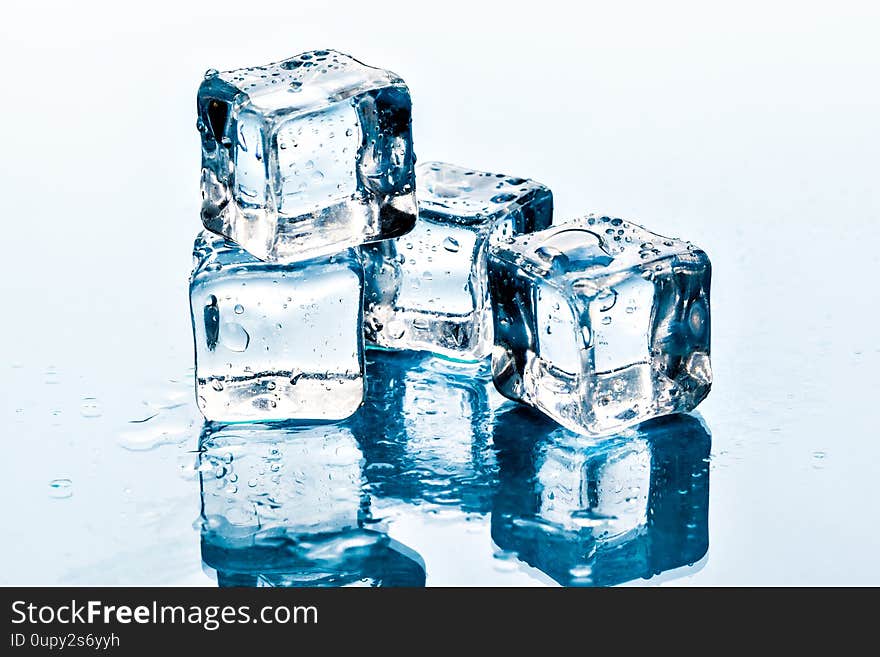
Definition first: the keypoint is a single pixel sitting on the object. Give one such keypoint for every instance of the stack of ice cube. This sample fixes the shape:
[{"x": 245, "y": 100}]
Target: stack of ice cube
[{"x": 323, "y": 236}]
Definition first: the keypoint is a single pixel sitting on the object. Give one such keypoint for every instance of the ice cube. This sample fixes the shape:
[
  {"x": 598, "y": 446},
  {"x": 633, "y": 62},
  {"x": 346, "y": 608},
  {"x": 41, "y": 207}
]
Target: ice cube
[
  {"x": 590, "y": 512},
  {"x": 307, "y": 156},
  {"x": 601, "y": 324},
  {"x": 286, "y": 507},
  {"x": 428, "y": 290},
  {"x": 276, "y": 341},
  {"x": 426, "y": 430}
]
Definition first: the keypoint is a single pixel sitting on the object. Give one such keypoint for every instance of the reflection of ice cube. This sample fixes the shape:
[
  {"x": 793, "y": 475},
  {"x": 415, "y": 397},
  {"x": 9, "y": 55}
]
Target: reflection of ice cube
[
  {"x": 610, "y": 489},
  {"x": 286, "y": 507},
  {"x": 306, "y": 157},
  {"x": 427, "y": 290},
  {"x": 604, "y": 512},
  {"x": 439, "y": 420},
  {"x": 425, "y": 429},
  {"x": 305, "y": 481},
  {"x": 276, "y": 341},
  {"x": 600, "y": 323}
]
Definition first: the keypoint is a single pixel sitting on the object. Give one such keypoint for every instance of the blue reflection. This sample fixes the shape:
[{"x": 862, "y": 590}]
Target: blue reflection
[
  {"x": 296, "y": 505},
  {"x": 426, "y": 430},
  {"x": 602, "y": 512},
  {"x": 285, "y": 507}
]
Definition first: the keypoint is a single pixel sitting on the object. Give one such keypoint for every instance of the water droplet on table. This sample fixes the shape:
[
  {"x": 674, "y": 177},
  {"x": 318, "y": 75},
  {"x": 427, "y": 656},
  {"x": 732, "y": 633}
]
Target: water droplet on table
[
  {"x": 60, "y": 489},
  {"x": 90, "y": 407}
]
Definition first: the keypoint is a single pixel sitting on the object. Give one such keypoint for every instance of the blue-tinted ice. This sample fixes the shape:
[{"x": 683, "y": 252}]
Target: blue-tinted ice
[
  {"x": 426, "y": 430},
  {"x": 285, "y": 507},
  {"x": 600, "y": 323},
  {"x": 428, "y": 290},
  {"x": 307, "y": 156},
  {"x": 274, "y": 341},
  {"x": 340, "y": 504},
  {"x": 600, "y": 512}
]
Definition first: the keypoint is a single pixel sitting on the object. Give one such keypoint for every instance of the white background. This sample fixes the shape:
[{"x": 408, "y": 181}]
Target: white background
[{"x": 752, "y": 129}]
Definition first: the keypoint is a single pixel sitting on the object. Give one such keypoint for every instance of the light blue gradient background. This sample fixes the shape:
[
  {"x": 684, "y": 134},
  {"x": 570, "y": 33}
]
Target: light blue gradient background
[{"x": 751, "y": 130}]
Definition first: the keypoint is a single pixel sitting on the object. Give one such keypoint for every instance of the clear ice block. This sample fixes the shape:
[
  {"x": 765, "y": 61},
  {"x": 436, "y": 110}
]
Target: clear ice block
[
  {"x": 428, "y": 290},
  {"x": 600, "y": 323},
  {"x": 602, "y": 512},
  {"x": 275, "y": 341},
  {"x": 285, "y": 507},
  {"x": 307, "y": 156}
]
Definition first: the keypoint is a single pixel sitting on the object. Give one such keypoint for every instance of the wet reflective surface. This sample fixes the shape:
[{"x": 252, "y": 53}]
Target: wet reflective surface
[
  {"x": 321, "y": 504},
  {"x": 778, "y": 185},
  {"x": 602, "y": 512}
]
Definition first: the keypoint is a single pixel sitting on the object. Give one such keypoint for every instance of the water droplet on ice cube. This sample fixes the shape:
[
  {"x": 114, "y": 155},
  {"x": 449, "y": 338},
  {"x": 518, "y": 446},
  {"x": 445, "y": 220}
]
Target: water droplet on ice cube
[
  {"x": 234, "y": 337},
  {"x": 548, "y": 253},
  {"x": 451, "y": 244}
]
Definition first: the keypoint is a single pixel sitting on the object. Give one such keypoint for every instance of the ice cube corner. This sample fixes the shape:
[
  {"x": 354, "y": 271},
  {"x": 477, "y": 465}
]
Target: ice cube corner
[
  {"x": 600, "y": 323},
  {"x": 307, "y": 156}
]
